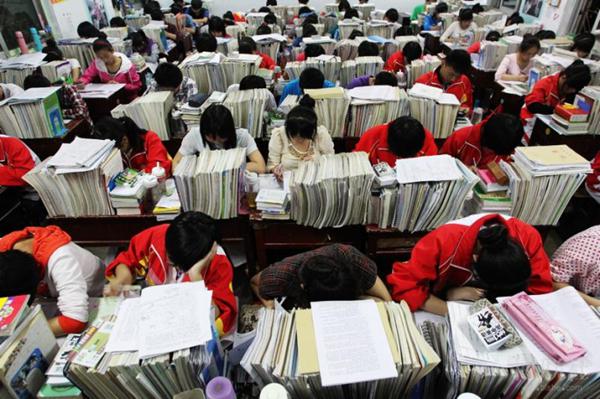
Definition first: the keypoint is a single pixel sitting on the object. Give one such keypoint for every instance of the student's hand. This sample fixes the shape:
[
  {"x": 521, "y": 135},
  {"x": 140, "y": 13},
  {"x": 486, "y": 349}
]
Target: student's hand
[
  {"x": 113, "y": 81},
  {"x": 268, "y": 303},
  {"x": 113, "y": 288},
  {"x": 278, "y": 172},
  {"x": 523, "y": 78},
  {"x": 196, "y": 272},
  {"x": 465, "y": 294}
]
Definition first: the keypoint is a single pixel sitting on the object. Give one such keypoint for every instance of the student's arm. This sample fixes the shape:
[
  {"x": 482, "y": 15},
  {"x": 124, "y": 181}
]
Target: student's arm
[
  {"x": 256, "y": 162},
  {"x": 121, "y": 270},
  {"x": 19, "y": 162},
  {"x": 90, "y": 74},
  {"x": 540, "y": 281},
  {"x": 275, "y": 149},
  {"x": 591, "y": 301},
  {"x": 448, "y": 33},
  {"x": 171, "y": 36},
  {"x": 218, "y": 278},
  {"x": 255, "y": 285},
  {"x": 134, "y": 82},
  {"x": 122, "y": 276},
  {"x": 176, "y": 160},
  {"x": 435, "y": 305},
  {"x": 76, "y": 73},
  {"x": 379, "y": 291},
  {"x": 325, "y": 142},
  {"x": 536, "y": 100},
  {"x": 79, "y": 109}
]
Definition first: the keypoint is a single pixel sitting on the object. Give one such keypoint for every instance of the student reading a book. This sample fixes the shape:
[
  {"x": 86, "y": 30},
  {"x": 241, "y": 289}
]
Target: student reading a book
[
  {"x": 300, "y": 139},
  {"x": 112, "y": 67},
  {"x": 71, "y": 103},
  {"x": 217, "y": 132},
  {"x": 451, "y": 76},
  {"x": 492, "y": 140},
  {"x": 198, "y": 13},
  {"x": 87, "y": 30},
  {"x": 44, "y": 261},
  {"x": 248, "y": 46},
  {"x": 310, "y": 78},
  {"x": 491, "y": 36},
  {"x": 592, "y": 183},
  {"x": 7, "y": 90},
  {"x": 53, "y": 53},
  {"x": 144, "y": 46},
  {"x": 398, "y": 60},
  {"x": 404, "y": 137},
  {"x": 577, "y": 263},
  {"x": 482, "y": 255},
  {"x": 517, "y": 66},
  {"x": 383, "y": 78},
  {"x": 433, "y": 21},
  {"x": 331, "y": 273},
  {"x": 583, "y": 44},
  {"x": 188, "y": 249},
  {"x": 168, "y": 77},
  {"x": 16, "y": 159},
  {"x": 312, "y": 50},
  {"x": 141, "y": 149},
  {"x": 462, "y": 31},
  {"x": 206, "y": 43}
]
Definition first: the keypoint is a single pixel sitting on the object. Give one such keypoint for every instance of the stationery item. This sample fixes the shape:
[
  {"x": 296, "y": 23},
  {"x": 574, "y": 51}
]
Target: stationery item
[
  {"x": 488, "y": 329},
  {"x": 35, "y": 36}
]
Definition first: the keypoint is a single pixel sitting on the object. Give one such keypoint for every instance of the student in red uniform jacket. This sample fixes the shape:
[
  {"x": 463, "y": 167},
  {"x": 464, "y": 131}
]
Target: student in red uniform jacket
[
  {"x": 311, "y": 51},
  {"x": 185, "y": 250},
  {"x": 141, "y": 149},
  {"x": 16, "y": 159},
  {"x": 398, "y": 61},
  {"x": 248, "y": 46},
  {"x": 492, "y": 36},
  {"x": 451, "y": 77},
  {"x": 592, "y": 183},
  {"x": 404, "y": 137},
  {"x": 484, "y": 255},
  {"x": 491, "y": 140}
]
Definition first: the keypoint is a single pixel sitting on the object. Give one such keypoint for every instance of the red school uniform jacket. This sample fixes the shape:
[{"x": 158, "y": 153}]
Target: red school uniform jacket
[
  {"x": 475, "y": 48},
  {"x": 267, "y": 62},
  {"x": 461, "y": 88},
  {"x": 465, "y": 144},
  {"x": 374, "y": 143},
  {"x": 154, "y": 151},
  {"x": 443, "y": 259},
  {"x": 146, "y": 257},
  {"x": 545, "y": 92},
  {"x": 395, "y": 62},
  {"x": 16, "y": 159}
]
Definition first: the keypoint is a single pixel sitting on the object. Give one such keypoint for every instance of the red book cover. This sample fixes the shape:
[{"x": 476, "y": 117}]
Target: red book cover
[
  {"x": 10, "y": 312},
  {"x": 571, "y": 114}
]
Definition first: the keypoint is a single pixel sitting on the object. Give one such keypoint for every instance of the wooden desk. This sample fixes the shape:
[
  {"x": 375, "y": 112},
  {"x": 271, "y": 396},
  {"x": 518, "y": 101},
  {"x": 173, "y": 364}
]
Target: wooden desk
[
  {"x": 390, "y": 242},
  {"x": 46, "y": 147},
  {"x": 586, "y": 145}
]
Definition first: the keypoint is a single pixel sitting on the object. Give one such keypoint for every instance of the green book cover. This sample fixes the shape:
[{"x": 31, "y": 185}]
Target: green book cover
[
  {"x": 59, "y": 392},
  {"x": 54, "y": 115}
]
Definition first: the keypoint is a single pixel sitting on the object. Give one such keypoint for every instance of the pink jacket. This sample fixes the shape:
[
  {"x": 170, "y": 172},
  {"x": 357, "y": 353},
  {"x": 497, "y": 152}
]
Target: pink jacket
[{"x": 127, "y": 74}]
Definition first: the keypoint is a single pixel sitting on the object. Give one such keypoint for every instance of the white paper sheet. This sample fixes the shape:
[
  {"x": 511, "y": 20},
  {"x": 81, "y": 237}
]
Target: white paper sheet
[
  {"x": 100, "y": 90},
  {"x": 124, "y": 336},
  {"x": 383, "y": 93},
  {"x": 424, "y": 91},
  {"x": 433, "y": 168},
  {"x": 351, "y": 343}
]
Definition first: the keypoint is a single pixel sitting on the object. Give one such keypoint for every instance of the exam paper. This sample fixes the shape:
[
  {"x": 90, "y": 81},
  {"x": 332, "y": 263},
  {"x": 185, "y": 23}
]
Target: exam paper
[
  {"x": 100, "y": 90},
  {"x": 433, "y": 168},
  {"x": 124, "y": 336}
]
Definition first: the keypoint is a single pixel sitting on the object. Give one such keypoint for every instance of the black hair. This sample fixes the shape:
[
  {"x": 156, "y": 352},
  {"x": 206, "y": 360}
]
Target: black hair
[
  {"x": 271, "y": 3},
  {"x": 196, "y": 4},
  {"x": 102, "y": 44},
  {"x": 343, "y": 6},
  {"x": 216, "y": 24},
  {"x": 117, "y": 22},
  {"x": 355, "y": 33},
  {"x": 264, "y": 30},
  {"x": 311, "y": 19},
  {"x": 36, "y": 80},
  {"x": 577, "y": 75},
  {"x": 493, "y": 36},
  {"x": 529, "y": 41},
  {"x": 217, "y": 120},
  {"x": 111, "y": 128},
  {"x": 206, "y": 42},
  {"x": 440, "y": 8},
  {"x": 157, "y": 15},
  {"x": 311, "y": 78},
  {"x": 514, "y": 19},
  {"x": 303, "y": 2},
  {"x": 252, "y": 82},
  {"x": 139, "y": 41},
  {"x": 351, "y": 13},
  {"x": 459, "y": 60},
  {"x": 228, "y": 18},
  {"x": 302, "y": 120},
  {"x": 168, "y": 75},
  {"x": 313, "y": 50},
  {"x": 304, "y": 10},
  {"x": 308, "y": 30},
  {"x": 264, "y": 9},
  {"x": 411, "y": 51},
  {"x": 324, "y": 279},
  {"x": 392, "y": 15},
  {"x": 19, "y": 273},
  {"x": 86, "y": 30},
  {"x": 175, "y": 9},
  {"x": 52, "y": 51},
  {"x": 150, "y": 6},
  {"x": 406, "y": 136},
  {"x": 368, "y": 49},
  {"x": 502, "y": 133},
  {"x": 502, "y": 267},
  {"x": 190, "y": 238},
  {"x": 465, "y": 14},
  {"x": 477, "y": 8},
  {"x": 545, "y": 35},
  {"x": 386, "y": 78},
  {"x": 584, "y": 42},
  {"x": 246, "y": 45},
  {"x": 270, "y": 19}
]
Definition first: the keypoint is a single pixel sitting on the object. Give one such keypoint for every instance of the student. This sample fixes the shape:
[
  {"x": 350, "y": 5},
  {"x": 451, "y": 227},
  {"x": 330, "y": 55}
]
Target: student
[
  {"x": 252, "y": 82},
  {"x": 331, "y": 273},
  {"x": 117, "y": 22},
  {"x": 383, "y": 78},
  {"x": 420, "y": 9},
  {"x": 516, "y": 66},
  {"x": 492, "y": 36},
  {"x": 514, "y": 19},
  {"x": 155, "y": 5},
  {"x": 310, "y": 78},
  {"x": 461, "y": 31},
  {"x": 300, "y": 139},
  {"x": 451, "y": 76},
  {"x": 391, "y": 15},
  {"x": 263, "y": 30},
  {"x": 308, "y": 30},
  {"x": 556, "y": 89},
  {"x": 406, "y": 28},
  {"x": 53, "y": 53},
  {"x": 368, "y": 49},
  {"x": 140, "y": 149},
  {"x": 206, "y": 42},
  {"x": 168, "y": 77},
  {"x": 545, "y": 35},
  {"x": 44, "y": 261},
  {"x": 248, "y": 46},
  {"x": 477, "y": 8},
  {"x": 398, "y": 61},
  {"x": 432, "y": 22},
  {"x": 8, "y": 90},
  {"x": 349, "y": 14},
  {"x": 16, "y": 159},
  {"x": 583, "y": 44},
  {"x": 482, "y": 255},
  {"x": 112, "y": 67},
  {"x": 184, "y": 22},
  {"x": 86, "y": 30},
  {"x": 216, "y": 27},
  {"x": 592, "y": 183},
  {"x": 186, "y": 250},
  {"x": 577, "y": 263},
  {"x": 491, "y": 140},
  {"x": 311, "y": 51},
  {"x": 198, "y": 13},
  {"x": 404, "y": 137},
  {"x": 216, "y": 132},
  {"x": 271, "y": 3},
  {"x": 271, "y": 20},
  {"x": 144, "y": 46}
]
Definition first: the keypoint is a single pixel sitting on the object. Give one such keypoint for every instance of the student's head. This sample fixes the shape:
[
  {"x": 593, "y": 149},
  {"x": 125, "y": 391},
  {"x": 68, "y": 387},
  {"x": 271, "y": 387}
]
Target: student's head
[
  {"x": 168, "y": 76},
  {"x": 493, "y": 36},
  {"x": 36, "y": 80},
  {"x": 456, "y": 63},
  {"x": 117, "y": 22},
  {"x": 412, "y": 51},
  {"x": 385, "y": 78},
  {"x": 406, "y": 136},
  {"x": 368, "y": 49},
  {"x": 216, "y": 26},
  {"x": 351, "y": 13},
  {"x": 271, "y": 3},
  {"x": 500, "y": 265},
  {"x": 583, "y": 44},
  {"x": 176, "y": 9},
  {"x": 52, "y": 51},
  {"x": 574, "y": 78},
  {"x": 151, "y": 5},
  {"x": 514, "y": 19},
  {"x": 228, "y": 18},
  {"x": 247, "y": 45},
  {"x": 270, "y": 19},
  {"x": 311, "y": 19},
  {"x": 304, "y": 11},
  {"x": 439, "y": 8},
  {"x": 343, "y": 6},
  {"x": 477, "y": 8},
  {"x": 305, "y": 2},
  {"x": 196, "y": 5},
  {"x": 252, "y": 82},
  {"x": 313, "y": 50},
  {"x": 157, "y": 14},
  {"x": 324, "y": 279},
  {"x": 103, "y": 50},
  {"x": 124, "y": 131},
  {"x": 264, "y": 30},
  {"x": 391, "y": 15},
  {"x": 545, "y": 35},
  {"x": 217, "y": 127},
  {"x": 264, "y": 9},
  {"x": 301, "y": 121},
  {"x": 191, "y": 237},
  {"x": 309, "y": 30},
  {"x": 465, "y": 17},
  {"x": 19, "y": 273},
  {"x": 502, "y": 133},
  {"x": 86, "y": 30},
  {"x": 529, "y": 47},
  {"x": 206, "y": 42},
  {"x": 311, "y": 78},
  {"x": 355, "y": 33},
  {"x": 139, "y": 42}
]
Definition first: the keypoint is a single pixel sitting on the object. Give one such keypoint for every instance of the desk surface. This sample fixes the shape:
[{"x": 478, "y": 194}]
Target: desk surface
[{"x": 545, "y": 133}]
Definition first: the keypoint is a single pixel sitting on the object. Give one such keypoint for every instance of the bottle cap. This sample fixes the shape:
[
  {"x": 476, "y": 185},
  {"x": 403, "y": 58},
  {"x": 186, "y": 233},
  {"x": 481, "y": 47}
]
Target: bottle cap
[
  {"x": 220, "y": 388},
  {"x": 158, "y": 171},
  {"x": 274, "y": 391}
]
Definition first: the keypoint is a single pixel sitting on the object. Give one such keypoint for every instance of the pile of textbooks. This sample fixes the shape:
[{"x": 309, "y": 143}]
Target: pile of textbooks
[
  {"x": 436, "y": 110},
  {"x": 127, "y": 192},
  {"x": 150, "y": 111}
]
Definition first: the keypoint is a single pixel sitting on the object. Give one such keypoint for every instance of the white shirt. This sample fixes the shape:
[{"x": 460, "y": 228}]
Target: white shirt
[
  {"x": 455, "y": 32},
  {"x": 73, "y": 275},
  {"x": 510, "y": 66},
  {"x": 193, "y": 144}
]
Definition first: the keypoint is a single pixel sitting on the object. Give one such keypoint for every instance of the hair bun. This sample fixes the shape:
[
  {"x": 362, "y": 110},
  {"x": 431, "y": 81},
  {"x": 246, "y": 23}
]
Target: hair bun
[
  {"x": 493, "y": 237},
  {"x": 307, "y": 101}
]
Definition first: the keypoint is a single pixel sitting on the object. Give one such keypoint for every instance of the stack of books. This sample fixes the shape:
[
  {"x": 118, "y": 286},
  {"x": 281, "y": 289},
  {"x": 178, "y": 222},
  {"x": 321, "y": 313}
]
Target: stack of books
[
  {"x": 491, "y": 194},
  {"x": 588, "y": 100},
  {"x": 127, "y": 192},
  {"x": 57, "y": 70},
  {"x": 512, "y": 42},
  {"x": 397, "y": 44},
  {"x": 13, "y": 310},
  {"x": 488, "y": 17},
  {"x": 81, "y": 49},
  {"x": 212, "y": 182},
  {"x": 491, "y": 55},
  {"x": 137, "y": 22},
  {"x": 447, "y": 19},
  {"x": 156, "y": 32},
  {"x": 365, "y": 10},
  {"x": 571, "y": 118},
  {"x": 118, "y": 33},
  {"x": 274, "y": 204},
  {"x": 331, "y": 107},
  {"x": 168, "y": 206},
  {"x": 255, "y": 18},
  {"x": 150, "y": 112},
  {"x": 347, "y": 49},
  {"x": 548, "y": 45},
  {"x": 346, "y": 27},
  {"x": 380, "y": 28},
  {"x": 294, "y": 69},
  {"x": 330, "y": 65},
  {"x": 15, "y": 70},
  {"x": 74, "y": 182},
  {"x": 419, "y": 67},
  {"x": 542, "y": 181},
  {"x": 33, "y": 114},
  {"x": 249, "y": 109},
  {"x": 205, "y": 69},
  {"x": 436, "y": 110},
  {"x": 325, "y": 41},
  {"x": 236, "y": 68},
  {"x": 360, "y": 66},
  {"x": 314, "y": 190}
]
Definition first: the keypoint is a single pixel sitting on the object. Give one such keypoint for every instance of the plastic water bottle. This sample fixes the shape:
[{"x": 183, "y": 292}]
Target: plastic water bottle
[
  {"x": 401, "y": 79},
  {"x": 21, "y": 42},
  {"x": 37, "y": 41},
  {"x": 220, "y": 388},
  {"x": 274, "y": 391},
  {"x": 161, "y": 176}
]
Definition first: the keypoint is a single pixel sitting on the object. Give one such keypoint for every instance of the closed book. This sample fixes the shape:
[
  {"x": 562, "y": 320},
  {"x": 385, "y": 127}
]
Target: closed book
[
  {"x": 571, "y": 113},
  {"x": 571, "y": 127},
  {"x": 11, "y": 310}
]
